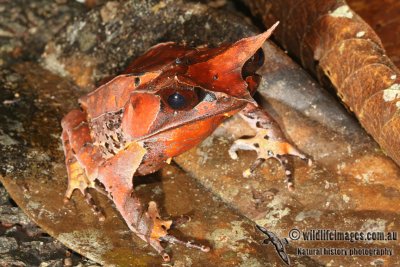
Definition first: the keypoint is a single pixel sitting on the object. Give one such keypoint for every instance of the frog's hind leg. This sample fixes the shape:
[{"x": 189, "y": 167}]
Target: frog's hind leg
[
  {"x": 77, "y": 177},
  {"x": 269, "y": 142},
  {"x": 116, "y": 174}
]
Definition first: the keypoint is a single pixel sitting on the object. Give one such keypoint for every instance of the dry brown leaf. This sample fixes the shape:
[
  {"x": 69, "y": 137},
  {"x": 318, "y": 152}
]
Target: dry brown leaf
[
  {"x": 335, "y": 44},
  {"x": 384, "y": 18}
]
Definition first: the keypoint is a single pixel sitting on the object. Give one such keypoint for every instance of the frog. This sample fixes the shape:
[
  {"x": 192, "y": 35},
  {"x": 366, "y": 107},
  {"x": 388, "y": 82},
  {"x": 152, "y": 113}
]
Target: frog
[{"x": 166, "y": 102}]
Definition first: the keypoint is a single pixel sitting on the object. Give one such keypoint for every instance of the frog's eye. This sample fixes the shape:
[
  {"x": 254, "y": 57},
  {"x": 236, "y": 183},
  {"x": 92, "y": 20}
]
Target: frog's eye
[
  {"x": 253, "y": 64},
  {"x": 177, "y": 100}
]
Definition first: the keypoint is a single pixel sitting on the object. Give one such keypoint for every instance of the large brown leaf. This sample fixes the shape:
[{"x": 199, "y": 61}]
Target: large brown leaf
[{"x": 335, "y": 44}]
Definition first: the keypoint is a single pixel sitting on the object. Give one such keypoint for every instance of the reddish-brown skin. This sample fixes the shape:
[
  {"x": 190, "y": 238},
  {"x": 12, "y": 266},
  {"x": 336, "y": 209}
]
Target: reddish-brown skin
[{"x": 131, "y": 126}]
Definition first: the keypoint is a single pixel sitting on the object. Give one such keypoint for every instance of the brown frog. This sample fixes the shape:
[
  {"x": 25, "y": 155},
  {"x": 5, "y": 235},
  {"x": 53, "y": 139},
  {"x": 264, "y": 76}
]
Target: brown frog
[{"x": 168, "y": 100}]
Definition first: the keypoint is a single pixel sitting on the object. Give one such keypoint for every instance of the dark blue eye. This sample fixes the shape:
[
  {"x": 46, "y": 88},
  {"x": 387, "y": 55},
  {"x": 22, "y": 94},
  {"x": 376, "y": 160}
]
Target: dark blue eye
[{"x": 176, "y": 101}]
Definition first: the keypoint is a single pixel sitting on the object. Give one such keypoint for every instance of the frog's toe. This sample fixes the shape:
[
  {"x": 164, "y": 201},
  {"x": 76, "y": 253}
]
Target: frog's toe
[
  {"x": 189, "y": 244},
  {"x": 76, "y": 178},
  {"x": 267, "y": 147},
  {"x": 160, "y": 229},
  {"x": 288, "y": 172}
]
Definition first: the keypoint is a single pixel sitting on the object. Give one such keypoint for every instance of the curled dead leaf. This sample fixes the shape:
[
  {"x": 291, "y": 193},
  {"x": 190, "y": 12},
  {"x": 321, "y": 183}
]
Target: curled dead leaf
[{"x": 342, "y": 50}]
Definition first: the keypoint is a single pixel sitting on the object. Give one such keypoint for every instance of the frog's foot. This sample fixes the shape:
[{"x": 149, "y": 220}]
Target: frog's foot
[
  {"x": 77, "y": 180},
  {"x": 159, "y": 232},
  {"x": 76, "y": 139},
  {"x": 267, "y": 147}
]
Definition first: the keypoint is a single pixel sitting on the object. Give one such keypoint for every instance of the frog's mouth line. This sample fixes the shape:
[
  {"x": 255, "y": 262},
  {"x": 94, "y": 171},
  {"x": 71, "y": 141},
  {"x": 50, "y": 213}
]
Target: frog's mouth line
[
  {"x": 239, "y": 107},
  {"x": 242, "y": 102}
]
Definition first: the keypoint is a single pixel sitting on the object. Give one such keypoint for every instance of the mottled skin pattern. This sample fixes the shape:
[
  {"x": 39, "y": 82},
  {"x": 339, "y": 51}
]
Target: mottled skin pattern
[{"x": 168, "y": 100}]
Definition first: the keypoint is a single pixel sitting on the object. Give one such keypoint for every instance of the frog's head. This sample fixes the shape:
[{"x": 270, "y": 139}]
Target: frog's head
[{"x": 173, "y": 91}]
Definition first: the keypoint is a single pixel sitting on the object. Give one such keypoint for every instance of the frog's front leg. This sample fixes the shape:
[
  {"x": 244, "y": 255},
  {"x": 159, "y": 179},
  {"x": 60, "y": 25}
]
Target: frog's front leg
[
  {"x": 76, "y": 140},
  {"x": 269, "y": 142}
]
